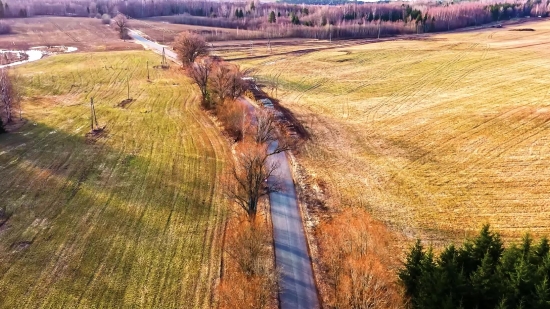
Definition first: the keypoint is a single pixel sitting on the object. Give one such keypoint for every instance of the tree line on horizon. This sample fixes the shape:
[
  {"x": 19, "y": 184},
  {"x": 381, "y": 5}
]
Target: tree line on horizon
[{"x": 347, "y": 20}]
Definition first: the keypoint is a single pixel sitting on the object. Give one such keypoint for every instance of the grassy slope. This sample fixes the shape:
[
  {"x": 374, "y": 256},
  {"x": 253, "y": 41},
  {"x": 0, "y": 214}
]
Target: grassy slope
[
  {"x": 132, "y": 220},
  {"x": 434, "y": 137}
]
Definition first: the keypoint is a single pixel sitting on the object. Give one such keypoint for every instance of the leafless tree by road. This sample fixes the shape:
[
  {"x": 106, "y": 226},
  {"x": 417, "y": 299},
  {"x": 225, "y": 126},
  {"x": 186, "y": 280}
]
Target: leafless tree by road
[
  {"x": 121, "y": 23},
  {"x": 190, "y": 46}
]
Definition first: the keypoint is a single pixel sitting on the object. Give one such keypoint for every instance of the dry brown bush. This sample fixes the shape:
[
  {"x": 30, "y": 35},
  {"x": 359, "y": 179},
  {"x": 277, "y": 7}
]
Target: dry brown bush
[
  {"x": 358, "y": 256},
  {"x": 233, "y": 117},
  {"x": 250, "y": 280}
]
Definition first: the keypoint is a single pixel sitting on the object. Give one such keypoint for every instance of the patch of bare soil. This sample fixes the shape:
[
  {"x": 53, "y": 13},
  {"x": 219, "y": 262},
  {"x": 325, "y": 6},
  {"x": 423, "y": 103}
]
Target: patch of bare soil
[
  {"x": 95, "y": 134},
  {"x": 21, "y": 245},
  {"x": 125, "y": 103}
]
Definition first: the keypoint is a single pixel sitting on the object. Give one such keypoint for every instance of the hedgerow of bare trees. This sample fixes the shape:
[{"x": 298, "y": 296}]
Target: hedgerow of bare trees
[
  {"x": 264, "y": 137},
  {"x": 189, "y": 46}
]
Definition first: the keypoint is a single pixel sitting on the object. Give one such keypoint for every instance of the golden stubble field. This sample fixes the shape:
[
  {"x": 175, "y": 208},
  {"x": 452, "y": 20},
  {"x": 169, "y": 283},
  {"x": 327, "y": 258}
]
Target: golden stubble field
[
  {"x": 433, "y": 136},
  {"x": 132, "y": 218}
]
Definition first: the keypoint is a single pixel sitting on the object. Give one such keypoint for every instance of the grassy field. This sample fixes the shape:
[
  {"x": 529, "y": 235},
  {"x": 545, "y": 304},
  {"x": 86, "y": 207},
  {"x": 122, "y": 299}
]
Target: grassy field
[
  {"x": 129, "y": 219},
  {"x": 434, "y": 136}
]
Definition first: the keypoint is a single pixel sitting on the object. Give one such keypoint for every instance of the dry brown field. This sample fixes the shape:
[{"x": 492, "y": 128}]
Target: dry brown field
[
  {"x": 434, "y": 136},
  {"x": 87, "y": 34}
]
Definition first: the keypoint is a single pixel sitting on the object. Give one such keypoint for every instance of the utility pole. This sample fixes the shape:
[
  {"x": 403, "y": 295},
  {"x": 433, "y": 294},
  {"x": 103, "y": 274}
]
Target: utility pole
[
  {"x": 128, "y": 83},
  {"x": 92, "y": 114},
  {"x": 147, "y": 69}
]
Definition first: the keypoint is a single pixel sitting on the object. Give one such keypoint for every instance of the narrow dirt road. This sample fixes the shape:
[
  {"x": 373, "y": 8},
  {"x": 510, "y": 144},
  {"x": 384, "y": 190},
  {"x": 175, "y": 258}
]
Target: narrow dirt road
[
  {"x": 298, "y": 290},
  {"x": 156, "y": 47}
]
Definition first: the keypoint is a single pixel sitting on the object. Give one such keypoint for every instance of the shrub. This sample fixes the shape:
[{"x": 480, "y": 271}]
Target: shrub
[
  {"x": 5, "y": 28},
  {"x": 106, "y": 19}
]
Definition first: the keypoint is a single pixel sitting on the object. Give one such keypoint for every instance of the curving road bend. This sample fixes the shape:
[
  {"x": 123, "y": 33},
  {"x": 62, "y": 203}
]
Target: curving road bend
[{"x": 296, "y": 282}]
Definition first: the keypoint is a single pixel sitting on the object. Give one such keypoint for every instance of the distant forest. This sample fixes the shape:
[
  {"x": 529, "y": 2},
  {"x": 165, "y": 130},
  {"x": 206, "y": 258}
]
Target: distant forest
[{"x": 279, "y": 20}]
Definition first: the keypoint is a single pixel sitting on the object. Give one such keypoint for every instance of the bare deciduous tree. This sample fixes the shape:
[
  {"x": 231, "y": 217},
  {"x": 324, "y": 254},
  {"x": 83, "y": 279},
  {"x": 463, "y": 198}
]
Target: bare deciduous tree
[
  {"x": 189, "y": 46},
  {"x": 121, "y": 23},
  {"x": 227, "y": 82},
  {"x": 9, "y": 96},
  {"x": 265, "y": 129},
  {"x": 249, "y": 177},
  {"x": 200, "y": 73}
]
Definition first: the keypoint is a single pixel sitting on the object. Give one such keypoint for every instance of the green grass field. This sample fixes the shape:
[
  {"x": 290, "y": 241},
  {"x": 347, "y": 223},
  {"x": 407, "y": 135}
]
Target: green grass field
[
  {"x": 133, "y": 218},
  {"x": 434, "y": 136}
]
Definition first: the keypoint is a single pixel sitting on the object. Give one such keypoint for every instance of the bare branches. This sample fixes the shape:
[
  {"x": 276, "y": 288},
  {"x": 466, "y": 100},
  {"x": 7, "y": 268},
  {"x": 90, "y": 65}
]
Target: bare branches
[
  {"x": 190, "y": 46},
  {"x": 200, "y": 72},
  {"x": 266, "y": 129},
  {"x": 250, "y": 174},
  {"x": 227, "y": 82},
  {"x": 121, "y": 23},
  {"x": 9, "y": 96}
]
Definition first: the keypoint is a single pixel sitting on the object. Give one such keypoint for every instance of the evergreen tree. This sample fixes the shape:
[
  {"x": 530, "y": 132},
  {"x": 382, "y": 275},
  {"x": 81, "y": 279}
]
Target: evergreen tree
[
  {"x": 541, "y": 298},
  {"x": 324, "y": 21},
  {"x": 294, "y": 19},
  {"x": 272, "y": 18},
  {"x": 484, "y": 292},
  {"x": 1, "y": 10},
  {"x": 410, "y": 275},
  {"x": 479, "y": 274}
]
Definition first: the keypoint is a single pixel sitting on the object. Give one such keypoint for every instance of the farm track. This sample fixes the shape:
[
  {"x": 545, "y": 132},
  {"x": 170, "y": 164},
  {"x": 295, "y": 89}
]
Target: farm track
[{"x": 135, "y": 217}]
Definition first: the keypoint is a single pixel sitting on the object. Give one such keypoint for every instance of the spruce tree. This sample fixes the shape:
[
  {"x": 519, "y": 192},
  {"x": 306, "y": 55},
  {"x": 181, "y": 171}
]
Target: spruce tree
[
  {"x": 272, "y": 18},
  {"x": 410, "y": 275},
  {"x": 1, "y": 10}
]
